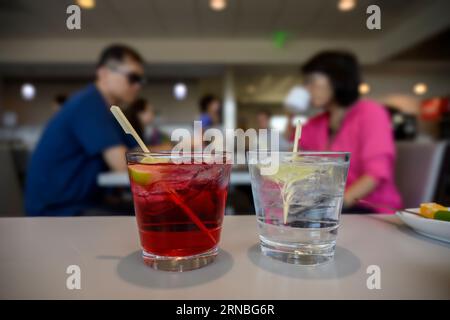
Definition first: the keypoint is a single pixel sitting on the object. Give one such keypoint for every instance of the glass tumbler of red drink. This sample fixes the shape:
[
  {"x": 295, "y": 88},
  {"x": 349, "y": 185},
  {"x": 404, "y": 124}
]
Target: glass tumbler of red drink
[{"x": 179, "y": 202}]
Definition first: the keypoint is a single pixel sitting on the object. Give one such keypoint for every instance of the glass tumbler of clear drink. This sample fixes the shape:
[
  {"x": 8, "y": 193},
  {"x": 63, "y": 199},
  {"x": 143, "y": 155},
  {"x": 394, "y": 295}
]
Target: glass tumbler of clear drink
[{"x": 298, "y": 201}]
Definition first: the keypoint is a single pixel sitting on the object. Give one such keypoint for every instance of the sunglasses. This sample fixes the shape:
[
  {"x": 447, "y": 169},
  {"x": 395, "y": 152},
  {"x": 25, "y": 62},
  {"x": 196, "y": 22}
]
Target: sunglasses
[
  {"x": 132, "y": 77},
  {"x": 135, "y": 78}
]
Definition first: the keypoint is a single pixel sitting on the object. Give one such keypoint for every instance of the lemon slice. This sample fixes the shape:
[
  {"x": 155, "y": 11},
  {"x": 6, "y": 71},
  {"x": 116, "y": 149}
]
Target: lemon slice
[
  {"x": 153, "y": 160},
  {"x": 290, "y": 173},
  {"x": 287, "y": 175}
]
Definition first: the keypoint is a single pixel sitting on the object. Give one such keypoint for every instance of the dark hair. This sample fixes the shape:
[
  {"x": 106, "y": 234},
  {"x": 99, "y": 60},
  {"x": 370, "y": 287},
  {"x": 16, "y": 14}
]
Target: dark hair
[
  {"x": 118, "y": 52},
  {"x": 342, "y": 69},
  {"x": 60, "y": 99},
  {"x": 205, "y": 101},
  {"x": 265, "y": 112},
  {"x": 132, "y": 112}
]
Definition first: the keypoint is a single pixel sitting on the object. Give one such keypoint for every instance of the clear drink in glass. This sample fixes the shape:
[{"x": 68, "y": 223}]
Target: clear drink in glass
[{"x": 298, "y": 208}]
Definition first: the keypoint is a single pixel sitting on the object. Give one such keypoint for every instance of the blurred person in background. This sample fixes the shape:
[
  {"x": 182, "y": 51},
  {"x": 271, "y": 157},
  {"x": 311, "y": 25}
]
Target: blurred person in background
[
  {"x": 142, "y": 117},
  {"x": 210, "y": 117},
  {"x": 361, "y": 127},
  {"x": 84, "y": 139},
  {"x": 263, "y": 118},
  {"x": 210, "y": 108}
]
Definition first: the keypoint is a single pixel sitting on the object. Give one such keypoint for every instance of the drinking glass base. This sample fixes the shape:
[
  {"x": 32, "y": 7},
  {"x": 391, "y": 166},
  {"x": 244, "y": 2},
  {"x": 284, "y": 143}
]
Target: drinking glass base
[
  {"x": 179, "y": 264},
  {"x": 300, "y": 254}
]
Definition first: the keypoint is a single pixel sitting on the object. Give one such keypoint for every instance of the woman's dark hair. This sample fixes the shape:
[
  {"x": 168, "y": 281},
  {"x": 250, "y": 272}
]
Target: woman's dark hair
[
  {"x": 205, "y": 101},
  {"x": 132, "y": 112},
  {"x": 342, "y": 69}
]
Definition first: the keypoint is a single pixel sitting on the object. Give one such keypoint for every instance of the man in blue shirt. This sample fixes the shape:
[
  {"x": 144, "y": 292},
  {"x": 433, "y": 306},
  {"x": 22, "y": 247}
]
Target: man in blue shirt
[{"x": 83, "y": 139}]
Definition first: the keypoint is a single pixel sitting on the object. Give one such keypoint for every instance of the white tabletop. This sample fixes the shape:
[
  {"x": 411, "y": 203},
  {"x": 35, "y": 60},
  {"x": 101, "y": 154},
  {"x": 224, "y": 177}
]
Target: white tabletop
[
  {"x": 35, "y": 252},
  {"x": 120, "y": 179}
]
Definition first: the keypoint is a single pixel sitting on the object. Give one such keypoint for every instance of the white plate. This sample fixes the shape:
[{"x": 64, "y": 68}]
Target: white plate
[{"x": 436, "y": 229}]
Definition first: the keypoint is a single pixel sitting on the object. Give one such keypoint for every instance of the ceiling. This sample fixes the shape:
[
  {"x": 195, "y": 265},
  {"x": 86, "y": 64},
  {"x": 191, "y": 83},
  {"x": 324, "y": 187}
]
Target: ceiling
[
  {"x": 436, "y": 47},
  {"x": 194, "y": 19},
  {"x": 187, "y": 38}
]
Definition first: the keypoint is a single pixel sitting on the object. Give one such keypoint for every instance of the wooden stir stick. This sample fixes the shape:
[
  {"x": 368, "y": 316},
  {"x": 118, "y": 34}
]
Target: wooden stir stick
[{"x": 128, "y": 128}]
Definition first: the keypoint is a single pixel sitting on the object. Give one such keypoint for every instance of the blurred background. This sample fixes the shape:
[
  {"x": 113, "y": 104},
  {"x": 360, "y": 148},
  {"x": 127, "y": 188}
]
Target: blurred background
[{"x": 247, "y": 53}]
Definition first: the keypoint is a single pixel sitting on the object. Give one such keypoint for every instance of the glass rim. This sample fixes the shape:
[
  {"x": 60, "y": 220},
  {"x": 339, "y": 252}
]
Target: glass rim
[
  {"x": 305, "y": 153},
  {"x": 176, "y": 153}
]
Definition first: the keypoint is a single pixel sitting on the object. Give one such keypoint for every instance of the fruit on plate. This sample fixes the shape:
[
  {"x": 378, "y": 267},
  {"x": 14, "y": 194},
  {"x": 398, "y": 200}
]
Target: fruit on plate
[
  {"x": 442, "y": 215},
  {"x": 434, "y": 211}
]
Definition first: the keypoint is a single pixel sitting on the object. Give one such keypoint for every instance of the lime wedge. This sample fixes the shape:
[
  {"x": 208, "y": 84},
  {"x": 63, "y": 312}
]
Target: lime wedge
[
  {"x": 140, "y": 175},
  {"x": 143, "y": 174}
]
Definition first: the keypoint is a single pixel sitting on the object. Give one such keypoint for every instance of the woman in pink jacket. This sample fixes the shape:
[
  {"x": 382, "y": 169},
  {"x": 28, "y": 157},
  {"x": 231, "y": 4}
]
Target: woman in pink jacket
[{"x": 347, "y": 123}]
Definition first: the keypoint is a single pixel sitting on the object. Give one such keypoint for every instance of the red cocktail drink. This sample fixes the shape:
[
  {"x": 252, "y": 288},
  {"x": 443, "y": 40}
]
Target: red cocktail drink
[{"x": 179, "y": 208}]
